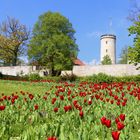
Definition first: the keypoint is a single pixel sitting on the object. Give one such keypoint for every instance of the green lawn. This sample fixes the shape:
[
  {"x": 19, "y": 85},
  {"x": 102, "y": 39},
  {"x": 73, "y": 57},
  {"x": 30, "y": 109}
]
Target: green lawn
[{"x": 9, "y": 87}]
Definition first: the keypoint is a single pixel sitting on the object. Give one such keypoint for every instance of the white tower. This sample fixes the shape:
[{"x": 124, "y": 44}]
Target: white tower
[{"x": 108, "y": 47}]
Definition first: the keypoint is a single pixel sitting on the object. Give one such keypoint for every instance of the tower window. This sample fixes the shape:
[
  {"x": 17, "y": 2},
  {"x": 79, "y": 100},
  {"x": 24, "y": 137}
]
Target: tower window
[
  {"x": 106, "y": 50},
  {"x": 106, "y": 42}
]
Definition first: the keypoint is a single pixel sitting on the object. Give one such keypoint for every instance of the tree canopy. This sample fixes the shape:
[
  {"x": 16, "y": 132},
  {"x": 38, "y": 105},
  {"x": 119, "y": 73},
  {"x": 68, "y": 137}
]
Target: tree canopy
[
  {"x": 13, "y": 37},
  {"x": 5, "y": 50},
  {"x": 134, "y": 30},
  {"x": 53, "y": 43},
  {"x": 106, "y": 60},
  {"x": 134, "y": 51}
]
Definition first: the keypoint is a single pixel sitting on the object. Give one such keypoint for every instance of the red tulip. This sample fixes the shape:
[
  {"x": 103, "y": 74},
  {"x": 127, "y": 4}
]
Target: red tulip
[
  {"x": 122, "y": 117},
  {"x": 118, "y": 103},
  {"x": 108, "y": 123},
  {"x": 139, "y": 96},
  {"x": 55, "y": 109},
  {"x": 125, "y": 99},
  {"x": 53, "y": 100},
  {"x": 52, "y": 138},
  {"x": 2, "y": 107},
  {"x": 107, "y": 99},
  {"x": 89, "y": 102},
  {"x": 66, "y": 108},
  {"x": 112, "y": 101},
  {"x": 70, "y": 107},
  {"x": 101, "y": 98},
  {"x": 81, "y": 113},
  {"x": 85, "y": 100},
  {"x": 12, "y": 100},
  {"x": 79, "y": 107},
  {"x": 9, "y": 97},
  {"x": 135, "y": 94},
  {"x": 117, "y": 120},
  {"x": 103, "y": 120},
  {"x": 116, "y": 97},
  {"x": 69, "y": 92},
  {"x": 115, "y": 135},
  {"x": 31, "y": 96},
  {"x": 123, "y": 94},
  {"x": 75, "y": 102},
  {"x": 56, "y": 93},
  {"x": 36, "y": 107},
  {"x": 5, "y": 97},
  {"x": 76, "y": 106},
  {"x": 15, "y": 97},
  {"x": 61, "y": 97},
  {"x": 45, "y": 97},
  {"x": 123, "y": 103},
  {"x": 97, "y": 96},
  {"x": 1, "y": 99},
  {"x": 120, "y": 126}
]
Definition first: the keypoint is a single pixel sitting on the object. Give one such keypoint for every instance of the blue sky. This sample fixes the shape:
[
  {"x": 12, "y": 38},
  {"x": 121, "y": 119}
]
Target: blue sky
[{"x": 90, "y": 19}]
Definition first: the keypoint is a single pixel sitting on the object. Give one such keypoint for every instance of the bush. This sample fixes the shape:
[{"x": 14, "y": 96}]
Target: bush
[
  {"x": 68, "y": 77},
  {"x": 32, "y": 77},
  {"x": 137, "y": 78},
  {"x": 127, "y": 79},
  {"x": 98, "y": 78},
  {"x": 101, "y": 77}
]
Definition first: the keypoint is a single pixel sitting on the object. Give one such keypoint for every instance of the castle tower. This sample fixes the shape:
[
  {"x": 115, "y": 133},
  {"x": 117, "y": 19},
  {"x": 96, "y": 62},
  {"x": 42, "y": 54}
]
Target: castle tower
[{"x": 108, "y": 47}]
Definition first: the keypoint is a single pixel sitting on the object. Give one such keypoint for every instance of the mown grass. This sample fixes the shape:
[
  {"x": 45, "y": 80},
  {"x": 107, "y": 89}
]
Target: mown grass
[{"x": 8, "y": 87}]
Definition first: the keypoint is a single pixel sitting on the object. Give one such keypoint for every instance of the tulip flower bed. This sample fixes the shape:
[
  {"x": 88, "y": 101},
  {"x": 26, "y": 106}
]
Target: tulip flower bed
[{"x": 69, "y": 111}]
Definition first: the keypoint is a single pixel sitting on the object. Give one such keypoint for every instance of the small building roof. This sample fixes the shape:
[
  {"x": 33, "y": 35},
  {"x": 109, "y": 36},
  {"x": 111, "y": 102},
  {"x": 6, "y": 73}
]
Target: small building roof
[{"x": 78, "y": 62}]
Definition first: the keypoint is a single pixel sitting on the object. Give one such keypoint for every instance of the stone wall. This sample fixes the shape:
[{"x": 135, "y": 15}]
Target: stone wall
[
  {"x": 114, "y": 70},
  {"x": 17, "y": 70},
  {"x": 23, "y": 70}
]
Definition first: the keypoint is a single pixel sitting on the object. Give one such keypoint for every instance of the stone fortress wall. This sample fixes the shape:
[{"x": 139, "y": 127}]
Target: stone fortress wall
[
  {"x": 17, "y": 70},
  {"x": 114, "y": 70},
  {"x": 23, "y": 70},
  {"x": 87, "y": 70}
]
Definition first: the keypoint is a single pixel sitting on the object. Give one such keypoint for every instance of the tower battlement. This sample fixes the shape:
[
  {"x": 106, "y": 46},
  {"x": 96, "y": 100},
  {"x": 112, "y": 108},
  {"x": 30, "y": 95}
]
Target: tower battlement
[{"x": 108, "y": 36}]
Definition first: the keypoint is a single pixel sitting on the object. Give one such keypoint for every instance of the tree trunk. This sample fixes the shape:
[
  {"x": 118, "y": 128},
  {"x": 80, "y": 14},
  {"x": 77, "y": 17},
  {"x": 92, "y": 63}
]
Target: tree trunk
[{"x": 14, "y": 62}]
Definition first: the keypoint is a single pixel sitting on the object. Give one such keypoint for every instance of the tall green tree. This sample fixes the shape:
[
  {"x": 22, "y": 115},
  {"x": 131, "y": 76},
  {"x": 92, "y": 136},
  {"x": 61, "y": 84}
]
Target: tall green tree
[
  {"x": 124, "y": 56},
  {"x": 106, "y": 60},
  {"x": 13, "y": 37},
  {"x": 5, "y": 54},
  {"x": 53, "y": 43},
  {"x": 134, "y": 50}
]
